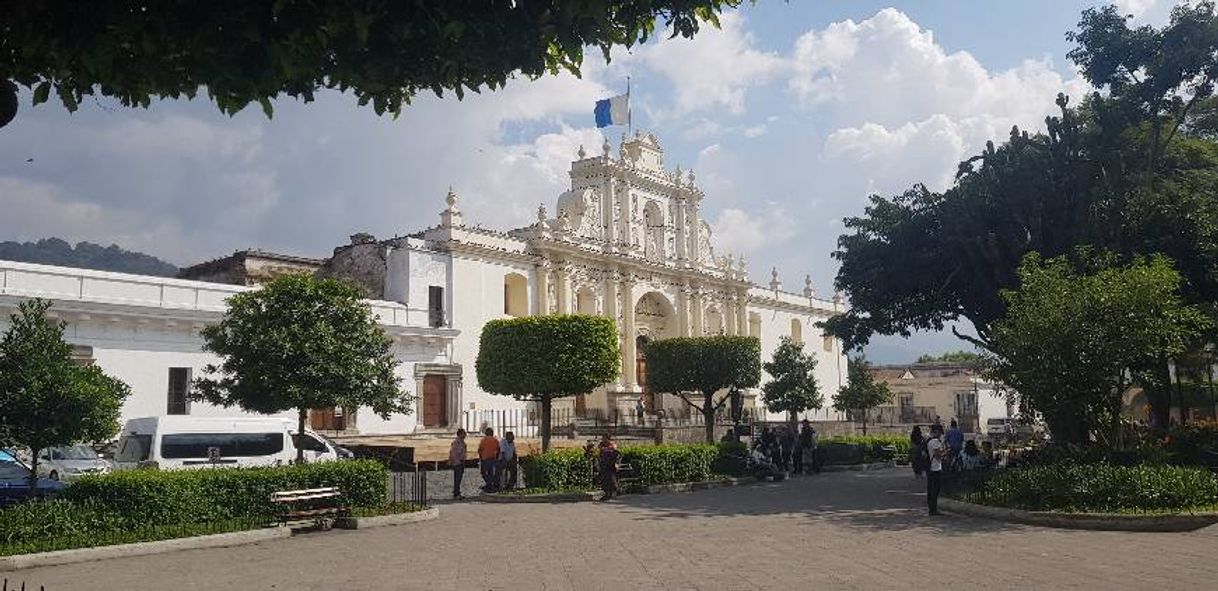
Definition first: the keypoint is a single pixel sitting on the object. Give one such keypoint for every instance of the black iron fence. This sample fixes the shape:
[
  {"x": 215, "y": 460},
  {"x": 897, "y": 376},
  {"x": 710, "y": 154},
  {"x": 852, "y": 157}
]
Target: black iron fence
[
  {"x": 6, "y": 587},
  {"x": 527, "y": 422},
  {"x": 408, "y": 490}
]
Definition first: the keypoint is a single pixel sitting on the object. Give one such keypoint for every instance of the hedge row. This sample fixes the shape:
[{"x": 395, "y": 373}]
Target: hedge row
[
  {"x": 1101, "y": 488},
  {"x": 871, "y": 444},
  {"x": 568, "y": 469},
  {"x": 154, "y": 504}
]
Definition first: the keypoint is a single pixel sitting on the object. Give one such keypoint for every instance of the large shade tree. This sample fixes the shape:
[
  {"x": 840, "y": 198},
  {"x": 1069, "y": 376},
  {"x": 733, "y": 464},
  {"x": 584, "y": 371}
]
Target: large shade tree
[
  {"x": 256, "y": 50},
  {"x": 704, "y": 366},
  {"x": 862, "y": 392},
  {"x": 1072, "y": 338},
  {"x": 299, "y": 343},
  {"x": 542, "y": 358},
  {"x": 45, "y": 398},
  {"x": 1133, "y": 170},
  {"x": 792, "y": 388}
]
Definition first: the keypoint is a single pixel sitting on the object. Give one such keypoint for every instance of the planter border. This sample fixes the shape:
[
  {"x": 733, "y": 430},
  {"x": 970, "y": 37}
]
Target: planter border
[
  {"x": 1173, "y": 522},
  {"x": 596, "y": 495},
  {"x": 857, "y": 467},
  {"x": 239, "y": 538}
]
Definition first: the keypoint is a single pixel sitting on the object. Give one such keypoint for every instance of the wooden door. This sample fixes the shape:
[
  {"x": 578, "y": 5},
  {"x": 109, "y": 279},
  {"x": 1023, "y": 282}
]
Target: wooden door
[
  {"x": 325, "y": 419},
  {"x": 435, "y": 403},
  {"x": 581, "y": 406}
]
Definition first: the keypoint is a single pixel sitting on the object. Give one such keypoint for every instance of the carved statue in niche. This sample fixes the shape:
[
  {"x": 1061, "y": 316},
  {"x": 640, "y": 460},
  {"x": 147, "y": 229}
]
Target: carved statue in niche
[
  {"x": 704, "y": 245},
  {"x": 552, "y": 297}
]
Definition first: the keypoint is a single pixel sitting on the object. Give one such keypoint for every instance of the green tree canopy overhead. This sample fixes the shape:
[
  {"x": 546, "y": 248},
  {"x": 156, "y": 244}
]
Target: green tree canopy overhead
[
  {"x": 704, "y": 365},
  {"x": 299, "y": 343},
  {"x": 793, "y": 388},
  {"x": 45, "y": 398},
  {"x": 861, "y": 393},
  {"x": 541, "y": 358},
  {"x": 1133, "y": 171},
  {"x": 253, "y": 51},
  {"x": 1071, "y": 341}
]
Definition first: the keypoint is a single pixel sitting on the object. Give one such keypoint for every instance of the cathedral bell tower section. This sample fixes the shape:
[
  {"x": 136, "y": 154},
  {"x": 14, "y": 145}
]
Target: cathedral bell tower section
[{"x": 631, "y": 204}]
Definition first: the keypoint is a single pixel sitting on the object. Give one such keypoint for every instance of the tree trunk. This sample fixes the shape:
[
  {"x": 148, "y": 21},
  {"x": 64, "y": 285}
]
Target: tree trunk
[
  {"x": 34, "y": 473},
  {"x": 708, "y": 415},
  {"x": 546, "y": 402},
  {"x": 864, "y": 421},
  {"x": 1158, "y": 395},
  {"x": 302, "y": 413}
]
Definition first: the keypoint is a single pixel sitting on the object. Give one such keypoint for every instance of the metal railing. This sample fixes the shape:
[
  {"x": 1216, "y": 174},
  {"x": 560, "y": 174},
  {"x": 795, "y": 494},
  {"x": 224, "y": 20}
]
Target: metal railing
[{"x": 526, "y": 422}]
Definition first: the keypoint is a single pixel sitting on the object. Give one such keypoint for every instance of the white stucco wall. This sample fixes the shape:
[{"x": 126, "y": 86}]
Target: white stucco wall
[
  {"x": 831, "y": 365},
  {"x": 476, "y": 296},
  {"x": 138, "y": 327}
]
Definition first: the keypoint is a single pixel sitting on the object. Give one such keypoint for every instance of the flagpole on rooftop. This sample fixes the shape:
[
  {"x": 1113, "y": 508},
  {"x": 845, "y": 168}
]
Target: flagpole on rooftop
[{"x": 629, "y": 110}]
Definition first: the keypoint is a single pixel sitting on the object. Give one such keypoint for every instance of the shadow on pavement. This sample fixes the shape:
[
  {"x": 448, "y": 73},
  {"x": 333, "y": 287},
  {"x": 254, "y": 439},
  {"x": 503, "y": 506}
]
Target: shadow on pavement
[{"x": 887, "y": 500}]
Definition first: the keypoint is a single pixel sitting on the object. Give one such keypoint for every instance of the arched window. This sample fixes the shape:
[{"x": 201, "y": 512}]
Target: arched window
[
  {"x": 515, "y": 295},
  {"x": 797, "y": 332}
]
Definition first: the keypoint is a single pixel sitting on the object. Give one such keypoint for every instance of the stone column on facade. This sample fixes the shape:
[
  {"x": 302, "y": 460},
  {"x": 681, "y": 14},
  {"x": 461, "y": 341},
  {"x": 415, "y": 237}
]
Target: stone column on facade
[
  {"x": 628, "y": 350},
  {"x": 564, "y": 289},
  {"x": 623, "y": 195},
  {"x": 729, "y": 315},
  {"x": 682, "y": 238},
  {"x": 607, "y": 221},
  {"x": 543, "y": 288},
  {"x": 683, "y": 310},
  {"x": 742, "y": 315},
  {"x": 698, "y": 311},
  {"x": 454, "y": 400},
  {"x": 611, "y": 310},
  {"x": 695, "y": 241}
]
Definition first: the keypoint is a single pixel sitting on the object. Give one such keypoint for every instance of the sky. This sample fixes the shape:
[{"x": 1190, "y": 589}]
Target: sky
[{"x": 791, "y": 115}]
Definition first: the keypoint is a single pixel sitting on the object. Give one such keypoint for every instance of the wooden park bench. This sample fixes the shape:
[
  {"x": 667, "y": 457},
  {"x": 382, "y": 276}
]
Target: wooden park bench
[{"x": 321, "y": 506}]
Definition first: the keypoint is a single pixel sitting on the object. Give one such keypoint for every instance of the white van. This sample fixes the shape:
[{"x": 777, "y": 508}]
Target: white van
[{"x": 176, "y": 442}]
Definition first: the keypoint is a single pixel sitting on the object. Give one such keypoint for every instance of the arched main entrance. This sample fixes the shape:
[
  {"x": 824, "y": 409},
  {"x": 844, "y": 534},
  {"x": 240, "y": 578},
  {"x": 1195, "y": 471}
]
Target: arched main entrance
[{"x": 654, "y": 318}]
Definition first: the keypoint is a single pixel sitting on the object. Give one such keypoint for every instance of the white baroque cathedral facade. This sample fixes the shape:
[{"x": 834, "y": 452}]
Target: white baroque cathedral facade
[{"x": 627, "y": 241}]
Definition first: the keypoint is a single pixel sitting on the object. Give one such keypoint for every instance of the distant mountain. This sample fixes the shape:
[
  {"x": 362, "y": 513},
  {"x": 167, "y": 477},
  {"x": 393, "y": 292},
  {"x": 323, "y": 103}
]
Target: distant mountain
[{"x": 86, "y": 255}]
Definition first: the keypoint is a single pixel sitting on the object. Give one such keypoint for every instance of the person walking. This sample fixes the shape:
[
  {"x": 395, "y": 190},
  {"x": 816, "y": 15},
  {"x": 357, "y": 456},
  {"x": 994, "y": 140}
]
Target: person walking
[
  {"x": 488, "y": 460},
  {"x": 917, "y": 452},
  {"x": 608, "y": 460},
  {"x": 787, "y": 440},
  {"x": 456, "y": 460},
  {"x": 509, "y": 462},
  {"x": 955, "y": 439},
  {"x": 936, "y": 450}
]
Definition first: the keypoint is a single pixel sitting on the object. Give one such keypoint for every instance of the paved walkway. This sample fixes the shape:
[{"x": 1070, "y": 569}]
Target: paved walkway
[{"x": 833, "y": 531}]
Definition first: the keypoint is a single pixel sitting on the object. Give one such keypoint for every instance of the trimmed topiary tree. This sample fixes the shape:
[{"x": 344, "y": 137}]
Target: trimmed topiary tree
[
  {"x": 793, "y": 388},
  {"x": 541, "y": 358},
  {"x": 298, "y": 343},
  {"x": 704, "y": 365},
  {"x": 45, "y": 398}
]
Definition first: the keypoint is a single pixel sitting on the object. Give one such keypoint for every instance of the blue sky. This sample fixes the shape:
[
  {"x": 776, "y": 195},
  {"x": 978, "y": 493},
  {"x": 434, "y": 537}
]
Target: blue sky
[{"x": 791, "y": 114}]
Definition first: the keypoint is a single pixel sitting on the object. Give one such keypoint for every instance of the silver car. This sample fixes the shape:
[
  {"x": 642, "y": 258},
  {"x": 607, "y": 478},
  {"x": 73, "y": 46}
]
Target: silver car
[{"x": 66, "y": 463}]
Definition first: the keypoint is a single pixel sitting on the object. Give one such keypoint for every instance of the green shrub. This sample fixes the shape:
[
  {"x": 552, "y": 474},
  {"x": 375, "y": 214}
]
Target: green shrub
[
  {"x": 149, "y": 497},
  {"x": 567, "y": 469},
  {"x": 1103, "y": 488},
  {"x": 872, "y": 443},
  {"x": 558, "y": 469}
]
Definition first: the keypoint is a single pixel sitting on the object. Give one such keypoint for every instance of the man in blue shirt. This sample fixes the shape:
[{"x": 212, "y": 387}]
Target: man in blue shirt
[{"x": 955, "y": 439}]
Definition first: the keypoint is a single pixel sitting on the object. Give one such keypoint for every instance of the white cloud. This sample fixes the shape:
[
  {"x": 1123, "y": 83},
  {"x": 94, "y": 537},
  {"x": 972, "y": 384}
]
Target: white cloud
[
  {"x": 907, "y": 110},
  {"x": 737, "y": 231},
  {"x": 715, "y": 68}
]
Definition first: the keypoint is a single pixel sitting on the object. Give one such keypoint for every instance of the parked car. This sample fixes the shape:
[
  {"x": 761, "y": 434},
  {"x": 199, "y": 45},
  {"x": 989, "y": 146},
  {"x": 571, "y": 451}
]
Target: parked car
[
  {"x": 67, "y": 463},
  {"x": 15, "y": 481},
  {"x": 1007, "y": 428},
  {"x": 177, "y": 442}
]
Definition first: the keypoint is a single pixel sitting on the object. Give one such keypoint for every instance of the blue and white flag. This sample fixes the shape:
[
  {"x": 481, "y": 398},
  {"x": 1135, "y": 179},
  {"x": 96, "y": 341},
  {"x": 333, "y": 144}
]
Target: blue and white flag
[{"x": 613, "y": 111}]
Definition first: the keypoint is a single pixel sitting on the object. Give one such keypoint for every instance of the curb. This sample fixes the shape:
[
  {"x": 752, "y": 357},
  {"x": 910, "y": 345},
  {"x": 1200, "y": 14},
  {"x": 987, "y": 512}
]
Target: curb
[
  {"x": 1090, "y": 521},
  {"x": 858, "y": 467},
  {"x": 387, "y": 520},
  {"x": 60, "y": 557},
  {"x": 562, "y": 497},
  {"x": 576, "y": 497}
]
